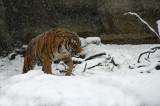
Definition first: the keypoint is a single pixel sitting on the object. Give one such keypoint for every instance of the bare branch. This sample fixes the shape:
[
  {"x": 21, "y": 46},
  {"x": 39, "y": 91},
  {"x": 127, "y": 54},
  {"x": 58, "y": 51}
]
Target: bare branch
[
  {"x": 84, "y": 68},
  {"x": 144, "y": 22},
  {"x": 72, "y": 74},
  {"x": 94, "y": 56},
  {"x": 113, "y": 62},
  {"x": 99, "y": 64},
  {"x": 79, "y": 61},
  {"x": 154, "y": 50}
]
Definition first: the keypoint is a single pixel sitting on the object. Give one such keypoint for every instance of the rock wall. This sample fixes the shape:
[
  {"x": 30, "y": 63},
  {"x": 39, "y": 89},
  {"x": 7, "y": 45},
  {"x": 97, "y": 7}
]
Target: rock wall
[
  {"x": 5, "y": 38},
  {"x": 28, "y": 18},
  {"x": 22, "y": 20},
  {"x": 120, "y": 26}
]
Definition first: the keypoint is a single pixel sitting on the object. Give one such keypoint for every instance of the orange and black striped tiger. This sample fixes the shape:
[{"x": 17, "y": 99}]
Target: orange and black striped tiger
[{"x": 50, "y": 46}]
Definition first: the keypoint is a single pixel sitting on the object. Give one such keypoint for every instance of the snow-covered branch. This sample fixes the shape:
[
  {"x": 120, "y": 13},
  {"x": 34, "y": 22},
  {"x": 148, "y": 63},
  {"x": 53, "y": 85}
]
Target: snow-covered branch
[
  {"x": 144, "y": 22},
  {"x": 158, "y": 24},
  {"x": 149, "y": 52}
]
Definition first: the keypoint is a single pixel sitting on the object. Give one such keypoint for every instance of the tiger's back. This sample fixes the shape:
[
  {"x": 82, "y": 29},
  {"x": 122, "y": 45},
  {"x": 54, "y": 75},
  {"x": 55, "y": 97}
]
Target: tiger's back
[{"x": 50, "y": 46}]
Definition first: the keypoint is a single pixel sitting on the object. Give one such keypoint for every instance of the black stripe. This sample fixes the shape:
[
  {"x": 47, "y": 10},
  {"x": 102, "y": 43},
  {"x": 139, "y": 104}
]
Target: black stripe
[
  {"x": 39, "y": 43},
  {"x": 66, "y": 45},
  {"x": 46, "y": 45},
  {"x": 51, "y": 51},
  {"x": 28, "y": 57},
  {"x": 59, "y": 46},
  {"x": 51, "y": 48},
  {"x": 69, "y": 44},
  {"x": 24, "y": 71},
  {"x": 39, "y": 58}
]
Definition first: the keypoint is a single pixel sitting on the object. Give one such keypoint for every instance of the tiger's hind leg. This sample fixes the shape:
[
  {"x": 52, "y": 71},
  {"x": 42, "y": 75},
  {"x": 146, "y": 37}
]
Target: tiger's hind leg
[
  {"x": 29, "y": 64},
  {"x": 46, "y": 65}
]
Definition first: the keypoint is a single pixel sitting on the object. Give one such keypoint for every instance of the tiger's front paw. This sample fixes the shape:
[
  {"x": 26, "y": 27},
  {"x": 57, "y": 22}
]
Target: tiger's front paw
[{"x": 68, "y": 74}]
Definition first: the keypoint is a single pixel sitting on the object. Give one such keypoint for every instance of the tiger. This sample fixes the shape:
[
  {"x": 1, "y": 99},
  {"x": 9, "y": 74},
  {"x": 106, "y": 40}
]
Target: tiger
[{"x": 56, "y": 44}]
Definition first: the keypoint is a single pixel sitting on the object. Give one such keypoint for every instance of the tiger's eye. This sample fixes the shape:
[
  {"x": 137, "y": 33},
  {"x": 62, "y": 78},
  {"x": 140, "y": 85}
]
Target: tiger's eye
[
  {"x": 74, "y": 44},
  {"x": 62, "y": 36}
]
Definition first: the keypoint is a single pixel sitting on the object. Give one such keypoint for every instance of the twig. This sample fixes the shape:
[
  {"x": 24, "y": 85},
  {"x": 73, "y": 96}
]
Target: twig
[
  {"x": 84, "y": 68},
  {"x": 145, "y": 53},
  {"x": 79, "y": 61},
  {"x": 72, "y": 74},
  {"x": 62, "y": 71},
  {"x": 99, "y": 64},
  {"x": 65, "y": 72},
  {"x": 155, "y": 48},
  {"x": 94, "y": 56},
  {"x": 113, "y": 62}
]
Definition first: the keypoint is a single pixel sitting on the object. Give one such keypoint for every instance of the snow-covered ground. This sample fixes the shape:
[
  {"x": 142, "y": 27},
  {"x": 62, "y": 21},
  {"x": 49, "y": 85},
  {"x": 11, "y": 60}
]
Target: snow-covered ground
[{"x": 103, "y": 85}]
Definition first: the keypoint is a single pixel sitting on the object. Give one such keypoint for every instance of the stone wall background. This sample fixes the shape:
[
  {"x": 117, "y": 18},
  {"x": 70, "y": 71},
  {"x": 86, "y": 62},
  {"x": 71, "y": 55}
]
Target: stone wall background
[{"x": 21, "y": 20}]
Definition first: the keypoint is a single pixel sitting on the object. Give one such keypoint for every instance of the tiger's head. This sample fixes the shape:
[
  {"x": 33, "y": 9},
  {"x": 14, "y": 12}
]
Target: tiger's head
[
  {"x": 71, "y": 42},
  {"x": 75, "y": 45}
]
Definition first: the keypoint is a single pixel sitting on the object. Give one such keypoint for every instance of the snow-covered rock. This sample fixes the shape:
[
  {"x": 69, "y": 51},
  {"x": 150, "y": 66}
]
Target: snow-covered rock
[{"x": 90, "y": 40}]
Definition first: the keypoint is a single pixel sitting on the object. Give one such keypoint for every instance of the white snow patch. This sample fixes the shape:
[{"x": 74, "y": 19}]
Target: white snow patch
[
  {"x": 37, "y": 88},
  {"x": 98, "y": 86}
]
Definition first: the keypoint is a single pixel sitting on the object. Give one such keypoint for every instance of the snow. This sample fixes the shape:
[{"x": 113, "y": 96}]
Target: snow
[
  {"x": 104, "y": 85},
  {"x": 90, "y": 40}
]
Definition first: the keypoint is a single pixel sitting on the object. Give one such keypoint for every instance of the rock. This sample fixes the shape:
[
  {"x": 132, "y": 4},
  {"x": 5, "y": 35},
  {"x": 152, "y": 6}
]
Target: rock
[
  {"x": 126, "y": 26},
  {"x": 5, "y": 38},
  {"x": 21, "y": 51},
  {"x": 29, "y": 18},
  {"x": 25, "y": 19},
  {"x": 157, "y": 67}
]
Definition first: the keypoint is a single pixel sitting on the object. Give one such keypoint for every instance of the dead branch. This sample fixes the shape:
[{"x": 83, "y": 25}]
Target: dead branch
[
  {"x": 94, "y": 56},
  {"x": 84, "y": 68},
  {"x": 144, "y": 22},
  {"x": 155, "y": 48},
  {"x": 110, "y": 60},
  {"x": 99, "y": 64},
  {"x": 148, "y": 52},
  {"x": 72, "y": 74},
  {"x": 79, "y": 61},
  {"x": 113, "y": 62},
  {"x": 62, "y": 71}
]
